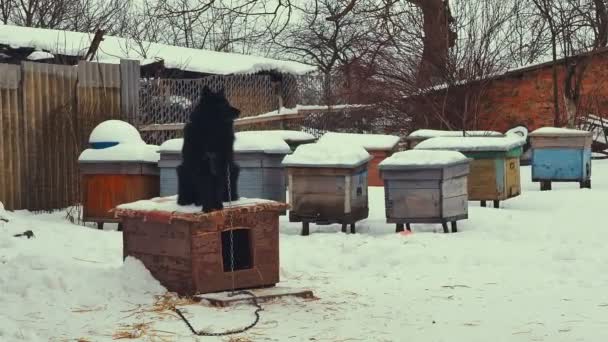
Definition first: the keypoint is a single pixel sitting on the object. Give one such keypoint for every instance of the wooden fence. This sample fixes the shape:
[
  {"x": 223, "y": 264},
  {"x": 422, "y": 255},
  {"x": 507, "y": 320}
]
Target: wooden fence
[{"x": 47, "y": 112}]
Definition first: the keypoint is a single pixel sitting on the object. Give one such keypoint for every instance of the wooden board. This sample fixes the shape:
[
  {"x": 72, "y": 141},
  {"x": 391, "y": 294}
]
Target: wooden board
[
  {"x": 262, "y": 295},
  {"x": 563, "y": 142},
  {"x": 482, "y": 180},
  {"x": 512, "y": 177}
]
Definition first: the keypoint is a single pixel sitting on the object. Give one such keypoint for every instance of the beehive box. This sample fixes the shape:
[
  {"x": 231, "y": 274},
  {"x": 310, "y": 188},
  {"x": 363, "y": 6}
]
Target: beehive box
[
  {"x": 259, "y": 158},
  {"x": 327, "y": 184},
  {"x": 291, "y": 137},
  {"x": 425, "y": 187},
  {"x": 188, "y": 251},
  {"x": 561, "y": 155},
  {"x": 415, "y": 137},
  {"x": 379, "y": 146},
  {"x": 119, "y": 172},
  {"x": 494, "y": 171}
]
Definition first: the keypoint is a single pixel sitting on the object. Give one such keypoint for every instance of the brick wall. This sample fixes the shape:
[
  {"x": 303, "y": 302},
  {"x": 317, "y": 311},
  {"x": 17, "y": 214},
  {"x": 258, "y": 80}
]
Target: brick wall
[{"x": 523, "y": 96}]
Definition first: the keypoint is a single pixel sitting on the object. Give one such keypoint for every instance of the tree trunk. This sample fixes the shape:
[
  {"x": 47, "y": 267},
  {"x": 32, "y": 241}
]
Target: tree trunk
[
  {"x": 438, "y": 38},
  {"x": 556, "y": 119}
]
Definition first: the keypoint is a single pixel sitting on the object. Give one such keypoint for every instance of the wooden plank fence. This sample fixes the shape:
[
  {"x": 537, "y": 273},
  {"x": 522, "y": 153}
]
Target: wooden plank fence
[{"x": 47, "y": 112}]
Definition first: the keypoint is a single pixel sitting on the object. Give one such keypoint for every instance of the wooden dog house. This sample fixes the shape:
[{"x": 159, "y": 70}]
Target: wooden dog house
[
  {"x": 188, "y": 251},
  {"x": 561, "y": 155},
  {"x": 494, "y": 172},
  {"x": 327, "y": 184},
  {"x": 379, "y": 146},
  {"x": 425, "y": 187},
  {"x": 118, "y": 169}
]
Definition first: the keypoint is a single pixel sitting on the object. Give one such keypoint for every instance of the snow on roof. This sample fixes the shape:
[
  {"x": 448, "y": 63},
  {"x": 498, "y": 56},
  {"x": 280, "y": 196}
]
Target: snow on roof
[
  {"x": 112, "y": 49},
  {"x": 288, "y": 136},
  {"x": 423, "y": 158},
  {"x": 125, "y": 152},
  {"x": 38, "y": 55},
  {"x": 243, "y": 143},
  {"x": 115, "y": 131},
  {"x": 169, "y": 204},
  {"x": 327, "y": 155},
  {"x": 471, "y": 144},
  {"x": 559, "y": 131},
  {"x": 431, "y": 133},
  {"x": 370, "y": 142}
]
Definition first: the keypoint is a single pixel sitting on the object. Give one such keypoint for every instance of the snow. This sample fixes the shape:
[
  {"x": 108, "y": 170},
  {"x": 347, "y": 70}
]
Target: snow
[
  {"x": 169, "y": 204},
  {"x": 327, "y": 155},
  {"x": 172, "y": 146},
  {"x": 112, "y": 49},
  {"x": 560, "y": 131},
  {"x": 370, "y": 142},
  {"x": 243, "y": 143},
  {"x": 423, "y": 158},
  {"x": 115, "y": 131},
  {"x": 520, "y": 131},
  {"x": 126, "y": 152},
  {"x": 260, "y": 143},
  {"x": 288, "y": 136},
  {"x": 534, "y": 270},
  {"x": 431, "y": 133},
  {"x": 38, "y": 55},
  {"x": 471, "y": 144}
]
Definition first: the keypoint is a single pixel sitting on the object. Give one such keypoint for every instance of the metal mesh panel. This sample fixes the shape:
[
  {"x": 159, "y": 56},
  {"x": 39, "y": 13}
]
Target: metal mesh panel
[{"x": 164, "y": 101}]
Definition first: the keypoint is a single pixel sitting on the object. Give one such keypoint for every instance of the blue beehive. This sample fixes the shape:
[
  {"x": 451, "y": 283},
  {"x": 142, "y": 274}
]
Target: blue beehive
[{"x": 561, "y": 155}]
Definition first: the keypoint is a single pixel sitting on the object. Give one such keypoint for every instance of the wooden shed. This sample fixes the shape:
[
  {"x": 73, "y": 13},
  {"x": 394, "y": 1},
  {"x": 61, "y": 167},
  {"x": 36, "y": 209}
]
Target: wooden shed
[
  {"x": 258, "y": 156},
  {"x": 380, "y": 146},
  {"x": 415, "y": 137},
  {"x": 425, "y": 187},
  {"x": 561, "y": 155},
  {"x": 121, "y": 169},
  {"x": 189, "y": 252},
  {"x": 327, "y": 184},
  {"x": 494, "y": 171}
]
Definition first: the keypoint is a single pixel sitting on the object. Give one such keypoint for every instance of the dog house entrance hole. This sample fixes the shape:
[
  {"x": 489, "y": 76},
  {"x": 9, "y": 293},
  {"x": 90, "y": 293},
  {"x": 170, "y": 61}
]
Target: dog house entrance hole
[{"x": 241, "y": 238}]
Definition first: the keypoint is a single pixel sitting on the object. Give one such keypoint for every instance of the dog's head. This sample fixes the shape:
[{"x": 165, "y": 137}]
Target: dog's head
[{"x": 214, "y": 105}]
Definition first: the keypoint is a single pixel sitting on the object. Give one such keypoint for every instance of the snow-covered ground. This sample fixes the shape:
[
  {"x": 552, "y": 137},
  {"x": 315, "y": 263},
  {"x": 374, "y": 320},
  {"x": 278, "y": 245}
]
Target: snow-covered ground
[{"x": 534, "y": 270}]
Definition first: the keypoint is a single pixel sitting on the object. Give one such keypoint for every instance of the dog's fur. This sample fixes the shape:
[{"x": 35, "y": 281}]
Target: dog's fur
[{"x": 208, "y": 155}]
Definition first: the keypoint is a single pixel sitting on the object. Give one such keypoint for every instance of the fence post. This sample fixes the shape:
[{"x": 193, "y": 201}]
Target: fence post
[{"x": 129, "y": 90}]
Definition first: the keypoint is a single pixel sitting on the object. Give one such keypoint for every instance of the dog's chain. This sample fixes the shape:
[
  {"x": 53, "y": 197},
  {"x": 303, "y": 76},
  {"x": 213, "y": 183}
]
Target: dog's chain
[{"x": 229, "y": 188}]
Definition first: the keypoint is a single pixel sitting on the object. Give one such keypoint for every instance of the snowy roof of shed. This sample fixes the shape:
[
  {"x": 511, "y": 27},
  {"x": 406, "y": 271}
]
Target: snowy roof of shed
[
  {"x": 431, "y": 133},
  {"x": 327, "y": 155},
  {"x": 556, "y": 131},
  {"x": 112, "y": 49},
  {"x": 471, "y": 144},
  {"x": 370, "y": 142},
  {"x": 422, "y": 158}
]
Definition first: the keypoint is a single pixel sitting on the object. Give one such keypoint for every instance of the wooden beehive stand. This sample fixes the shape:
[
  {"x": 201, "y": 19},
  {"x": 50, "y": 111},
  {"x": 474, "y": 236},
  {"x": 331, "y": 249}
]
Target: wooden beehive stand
[
  {"x": 561, "y": 155},
  {"x": 186, "y": 250}
]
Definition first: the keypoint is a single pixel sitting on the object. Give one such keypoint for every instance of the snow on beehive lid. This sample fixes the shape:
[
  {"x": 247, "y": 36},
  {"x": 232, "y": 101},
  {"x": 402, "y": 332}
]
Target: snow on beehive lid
[
  {"x": 287, "y": 136},
  {"x": 370, "y": 142},
  {"x": 115, "y": 131},
  {"x": 246, "y": 143},
  {"x": 124, "y": 152},
  {"x": 471, "y": 144},
  {"x": 422, "y": 158},
  {"x": 243, "y": 143},
  {"x": 172, "y": 146},
  {"x": 556, "y": 131},
  {"x": 432, "y": 133},
  {"x": 327, "y": 155}
]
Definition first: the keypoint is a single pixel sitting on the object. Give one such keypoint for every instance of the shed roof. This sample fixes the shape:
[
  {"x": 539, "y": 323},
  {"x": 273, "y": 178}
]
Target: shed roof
[{"x": 112, "y": 49}]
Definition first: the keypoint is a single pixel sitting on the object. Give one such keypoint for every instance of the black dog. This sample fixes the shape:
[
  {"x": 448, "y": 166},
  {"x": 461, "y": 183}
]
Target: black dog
[{"x": 208, "y": 155}]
